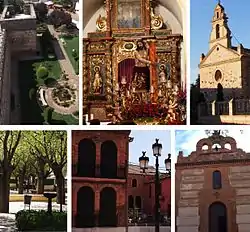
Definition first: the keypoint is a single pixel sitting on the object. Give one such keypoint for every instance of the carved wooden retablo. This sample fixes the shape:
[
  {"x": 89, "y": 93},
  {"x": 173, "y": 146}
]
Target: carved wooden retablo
[{"x": 131, "y": 57}]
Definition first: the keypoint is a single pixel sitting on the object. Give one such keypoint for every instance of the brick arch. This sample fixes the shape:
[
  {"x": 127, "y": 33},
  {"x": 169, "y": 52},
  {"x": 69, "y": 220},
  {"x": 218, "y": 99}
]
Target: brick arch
[
  {"x": 108, "y": 205},
  {"x": 231, "y": 141},
  {"x": 202, "y": 143},
  {"x": 108, "y": 165},
  {"x": 86, "y": 158},
  {"x": 85, "y": 216}
]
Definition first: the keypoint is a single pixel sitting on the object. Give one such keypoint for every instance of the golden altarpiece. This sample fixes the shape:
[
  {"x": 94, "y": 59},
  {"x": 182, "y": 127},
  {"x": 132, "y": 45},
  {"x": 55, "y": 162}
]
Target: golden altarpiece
[{"x": 132, "y": 61}]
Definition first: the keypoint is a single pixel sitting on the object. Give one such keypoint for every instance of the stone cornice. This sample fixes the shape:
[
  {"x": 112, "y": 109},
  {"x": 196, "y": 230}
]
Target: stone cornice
[
  {"x": 207, "y": 163},
  {"x": 219, "y": 63}
]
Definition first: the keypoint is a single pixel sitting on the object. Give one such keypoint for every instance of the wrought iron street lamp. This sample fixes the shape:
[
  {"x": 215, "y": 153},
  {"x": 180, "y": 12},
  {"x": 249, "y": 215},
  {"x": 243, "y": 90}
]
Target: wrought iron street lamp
[
  {"x": 143, "y": 161},
  {"x": 157, "y": 148},
  {"x": 168, "y": 164}
]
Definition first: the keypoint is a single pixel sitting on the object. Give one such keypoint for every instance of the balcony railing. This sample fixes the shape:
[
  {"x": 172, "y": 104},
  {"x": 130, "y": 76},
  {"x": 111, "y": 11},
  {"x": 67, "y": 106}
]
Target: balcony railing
[{"x": 121, "y": 172}]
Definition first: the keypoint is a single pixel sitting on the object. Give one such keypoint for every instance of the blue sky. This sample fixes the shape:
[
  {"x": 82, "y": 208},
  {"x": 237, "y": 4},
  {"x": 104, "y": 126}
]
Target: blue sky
[
  {"x": 143, "y": 140},
  {"x": 200, "y": 28},
  {"x": 186, "y": 140}
]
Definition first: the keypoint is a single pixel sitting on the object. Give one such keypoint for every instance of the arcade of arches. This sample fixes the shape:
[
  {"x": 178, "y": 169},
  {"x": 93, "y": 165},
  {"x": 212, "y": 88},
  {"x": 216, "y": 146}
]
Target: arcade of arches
[
  {"x": 212, "y": 187},
  {"x": 99, "y": 175}
]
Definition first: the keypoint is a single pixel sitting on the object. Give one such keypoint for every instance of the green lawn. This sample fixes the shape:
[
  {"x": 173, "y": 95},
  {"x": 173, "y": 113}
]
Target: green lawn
[
  {"x": 32, "y": 114},
  {"x": 72, "y": 43}
]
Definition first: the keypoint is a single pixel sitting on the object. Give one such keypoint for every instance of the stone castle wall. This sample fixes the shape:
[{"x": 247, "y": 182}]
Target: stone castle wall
[{"x": 5, "y": 82}]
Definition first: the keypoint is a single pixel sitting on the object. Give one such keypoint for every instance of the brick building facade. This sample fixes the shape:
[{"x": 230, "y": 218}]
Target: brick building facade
[
  {"x": 99, "y": 178},
  {"x": 141, "y": 192},
  {"x": 212, "y": 187}
]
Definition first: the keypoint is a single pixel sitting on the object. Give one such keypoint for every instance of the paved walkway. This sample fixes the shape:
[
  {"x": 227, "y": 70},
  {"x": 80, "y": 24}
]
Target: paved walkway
[
  {"x": 7, "y": 223},
  {"x": 68, "y": 69}
]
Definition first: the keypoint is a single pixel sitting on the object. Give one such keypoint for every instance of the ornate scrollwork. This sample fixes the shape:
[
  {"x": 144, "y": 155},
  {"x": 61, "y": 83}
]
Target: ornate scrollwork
[
  {"x": 101, "y": 23},
  {"x": 156, "y": 21}
]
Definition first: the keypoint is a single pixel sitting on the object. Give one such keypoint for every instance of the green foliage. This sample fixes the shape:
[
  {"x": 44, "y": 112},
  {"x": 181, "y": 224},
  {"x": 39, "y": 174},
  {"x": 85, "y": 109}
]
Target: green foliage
[
  {"x": 41, "y": 220},
  {"x": 32, "y": 93},
  {"x": 42, "y": 72}
]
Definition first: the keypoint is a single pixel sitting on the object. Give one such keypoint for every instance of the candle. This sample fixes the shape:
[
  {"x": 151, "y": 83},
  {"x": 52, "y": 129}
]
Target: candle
[
  {"x": 133, "y": 89},
  {"x": 117, "y": 87},
  {"x": 152, "y": 89},
  {"x": 128, "y": 93}
]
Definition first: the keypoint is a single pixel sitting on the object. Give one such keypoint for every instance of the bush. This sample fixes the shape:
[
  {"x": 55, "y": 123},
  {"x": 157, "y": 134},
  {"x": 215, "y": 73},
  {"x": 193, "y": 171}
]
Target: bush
[
  {"x": 50, "y": 82},
  {"x": 42, "y": 72},
  {"x": 31, "y": 93},
  {"x": 41, "y": 220}
]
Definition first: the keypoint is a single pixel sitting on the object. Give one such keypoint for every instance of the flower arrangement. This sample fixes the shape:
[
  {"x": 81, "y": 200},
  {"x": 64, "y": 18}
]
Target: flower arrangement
[{"x": 155, "y": 113}]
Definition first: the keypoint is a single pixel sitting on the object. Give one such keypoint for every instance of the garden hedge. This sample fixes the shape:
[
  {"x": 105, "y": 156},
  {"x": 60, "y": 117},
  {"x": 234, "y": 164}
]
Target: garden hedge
[{"x": 31, "y": 220}]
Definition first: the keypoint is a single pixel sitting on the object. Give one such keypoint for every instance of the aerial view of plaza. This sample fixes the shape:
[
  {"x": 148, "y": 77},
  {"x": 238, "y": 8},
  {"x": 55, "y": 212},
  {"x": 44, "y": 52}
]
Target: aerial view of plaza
[{"x": 39, "y": 62}]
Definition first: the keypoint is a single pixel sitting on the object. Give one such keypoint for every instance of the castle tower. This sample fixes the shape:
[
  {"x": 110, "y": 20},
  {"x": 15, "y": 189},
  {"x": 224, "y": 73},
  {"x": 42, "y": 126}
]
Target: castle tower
[{"x": 220, "y": 31}]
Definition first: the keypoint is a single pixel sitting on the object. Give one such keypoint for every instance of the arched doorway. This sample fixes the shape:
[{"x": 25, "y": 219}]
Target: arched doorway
[
  {"x": 220, "y": 93},
  {"x": 108, "y": 159},
  {"x": 85, "y": 208},
  {"x": 130, "y": 202},
  {"x": 138, "y": 202},
  {"x": 86, "y": 158},
  {"x": 217, "y": 217},
  {"x": 107, "y": 213}
]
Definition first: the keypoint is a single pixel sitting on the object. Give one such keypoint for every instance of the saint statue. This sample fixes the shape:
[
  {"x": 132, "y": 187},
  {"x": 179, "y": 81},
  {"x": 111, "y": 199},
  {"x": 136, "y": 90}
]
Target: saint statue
[
  {"x": 97, "y": 83},
  {"x": 142, "y": 62},
  {"x": 162, "y": 74}
]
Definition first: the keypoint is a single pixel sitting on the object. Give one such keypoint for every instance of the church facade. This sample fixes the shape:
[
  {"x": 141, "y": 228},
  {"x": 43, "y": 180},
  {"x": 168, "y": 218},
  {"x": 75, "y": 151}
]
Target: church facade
[
  {"x": 133, "y": 58},
  {"x": 212, "y": 187},
  {"x": 225, "y": 69}
]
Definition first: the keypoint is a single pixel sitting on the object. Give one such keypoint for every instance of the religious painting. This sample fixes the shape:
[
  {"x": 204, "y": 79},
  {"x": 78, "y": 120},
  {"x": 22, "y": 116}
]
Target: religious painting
[
  {"x": 97, "y": 80},
  {"x": 163, "y": 73},
  {"x": 129, "y": 14}
]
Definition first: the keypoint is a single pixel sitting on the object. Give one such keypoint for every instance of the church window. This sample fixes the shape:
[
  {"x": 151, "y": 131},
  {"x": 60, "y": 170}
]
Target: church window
[
  {"x": 217, "y": 28},
  {"x": 218, "y": 75},
  {"x": 134, "y": 183},
  {"x": 216, "y": 180},
  {"x": 217, "y": 15}
]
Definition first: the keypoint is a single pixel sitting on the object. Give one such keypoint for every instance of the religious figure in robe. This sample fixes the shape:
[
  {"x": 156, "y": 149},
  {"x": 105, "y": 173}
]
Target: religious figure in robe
[
  {"x": 162, "y": 74},
  {"x": 142, "y": 63},
  {"x": 97, "y": 83}
]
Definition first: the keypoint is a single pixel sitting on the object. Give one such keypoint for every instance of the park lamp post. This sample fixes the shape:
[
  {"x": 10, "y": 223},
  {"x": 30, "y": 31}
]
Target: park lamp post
[
  {"x": 143, "y": 161},
  {"x": 168, "y": 164}
]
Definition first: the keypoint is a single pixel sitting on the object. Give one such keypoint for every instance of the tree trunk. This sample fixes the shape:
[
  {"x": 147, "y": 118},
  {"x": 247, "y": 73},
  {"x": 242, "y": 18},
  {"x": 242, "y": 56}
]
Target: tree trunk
[
  {"x": 40, "y": 184},
  {"x": 16, "y": 179},
  {"x": 4, "y": 192},
  {"x": 60, "y": 188},
  {"x": 20, "y": 184}
]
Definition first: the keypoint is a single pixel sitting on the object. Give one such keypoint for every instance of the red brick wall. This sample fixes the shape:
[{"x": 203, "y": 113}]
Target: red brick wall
[
  {"x": 120, "y": 185},
  {"x": 142, "y": 190}
]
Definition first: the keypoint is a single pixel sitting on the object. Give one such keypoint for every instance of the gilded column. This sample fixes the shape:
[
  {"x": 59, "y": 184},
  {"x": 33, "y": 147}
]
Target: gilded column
[
  {"x": 109, "y": 20},
  {"x": 147, "y": 18},
  {"x": 86, "y": 82},
  {"x": 153, "y": 70}
]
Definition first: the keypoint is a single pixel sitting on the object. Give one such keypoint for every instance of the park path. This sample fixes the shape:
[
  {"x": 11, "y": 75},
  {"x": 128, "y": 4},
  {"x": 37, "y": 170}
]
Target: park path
[
  {"x": 7, "y": 222},
  {"x": 61, "y": 54},
  {"x": 68, "y": 69}
]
